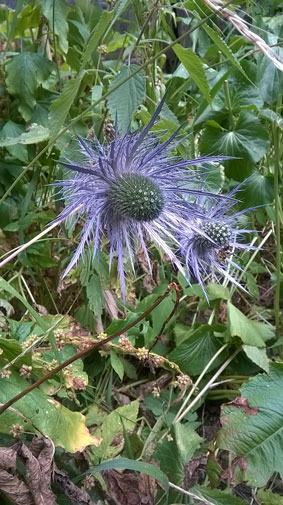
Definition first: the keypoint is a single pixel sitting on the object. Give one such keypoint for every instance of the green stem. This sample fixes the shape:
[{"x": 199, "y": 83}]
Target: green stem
[
  {"x": 277, "y": 228},
  {"x": 229, "y": 104}
]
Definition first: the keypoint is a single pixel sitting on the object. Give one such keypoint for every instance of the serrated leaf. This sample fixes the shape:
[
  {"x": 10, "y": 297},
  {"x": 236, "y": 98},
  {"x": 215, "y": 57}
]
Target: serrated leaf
[
  {"x": 195, "y": 68},
  {"x": 249, "y": 141},
  {"x": 253, "y": 429},
  {"x": 36, "y": 134},
  {"x": 59, "y": 17},
  {"x": 66, "y": 429},
  {"x": 35, "y": 69},
  {"x": 249, "y": 331},
  {"x": 95, "y": 36},
  {"x": 222, "y": 46},
  {"x": 123, "y": 102}
]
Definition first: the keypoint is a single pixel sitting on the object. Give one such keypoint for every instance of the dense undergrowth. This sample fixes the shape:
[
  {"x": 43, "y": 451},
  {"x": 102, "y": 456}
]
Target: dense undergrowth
[{"x": 186, "y": 405}]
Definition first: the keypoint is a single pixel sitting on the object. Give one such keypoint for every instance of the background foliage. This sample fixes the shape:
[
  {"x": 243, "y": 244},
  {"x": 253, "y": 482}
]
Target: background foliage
[{"x": 199, "y": 419}]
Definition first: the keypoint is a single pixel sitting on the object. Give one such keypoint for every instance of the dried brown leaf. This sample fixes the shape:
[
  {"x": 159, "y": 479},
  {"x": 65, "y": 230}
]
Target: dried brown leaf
[
  {"x": 125, "y": 488},
  {"x": 77, "y": 495},
  {"x": 15, "y": 489}
]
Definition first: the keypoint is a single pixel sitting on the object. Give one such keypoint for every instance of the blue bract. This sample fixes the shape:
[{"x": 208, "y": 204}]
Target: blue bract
[
  {"x": 132, "y": 191},
  {"x": 211, "y": 254}
]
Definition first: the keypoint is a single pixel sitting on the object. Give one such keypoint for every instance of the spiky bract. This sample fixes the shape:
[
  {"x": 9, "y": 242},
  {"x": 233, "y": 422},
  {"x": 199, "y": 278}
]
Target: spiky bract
[
  {"x": 131, "y": 191},
  {"x": 212, "y": 253}
]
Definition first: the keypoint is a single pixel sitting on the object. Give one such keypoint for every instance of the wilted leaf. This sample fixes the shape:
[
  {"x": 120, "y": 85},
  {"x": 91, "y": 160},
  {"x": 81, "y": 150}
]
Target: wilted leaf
[
  {"x": 119, "y": 419},
  {"x": 64, "y": 427},
  {"x": 252, "y": 427}
]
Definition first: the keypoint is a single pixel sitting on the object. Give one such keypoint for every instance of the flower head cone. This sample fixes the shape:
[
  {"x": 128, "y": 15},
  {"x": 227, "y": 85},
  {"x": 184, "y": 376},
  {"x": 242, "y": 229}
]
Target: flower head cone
[
  {"x": 131, "y": 191},
  {"x": 210, "y": 252}
]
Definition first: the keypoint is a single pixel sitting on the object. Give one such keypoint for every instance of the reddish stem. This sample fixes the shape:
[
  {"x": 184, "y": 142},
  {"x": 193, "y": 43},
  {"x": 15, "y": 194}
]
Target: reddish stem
[{"x": 95, "y": 345}]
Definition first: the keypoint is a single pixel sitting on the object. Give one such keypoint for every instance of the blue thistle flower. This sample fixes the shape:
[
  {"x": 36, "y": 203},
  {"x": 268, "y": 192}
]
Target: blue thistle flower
[
  {"x": 130, "y": 191},
  {"x": 210, "y": 252}
]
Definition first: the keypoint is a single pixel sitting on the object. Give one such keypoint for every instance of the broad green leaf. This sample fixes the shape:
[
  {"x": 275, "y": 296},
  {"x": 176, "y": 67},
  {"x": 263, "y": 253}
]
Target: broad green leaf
[
  {"x": 249, "y": 141},
  {"x": 272, "y": 116},
  {"x": 258, "y": 190},
  {"x": 35, "y": 69},
  {"x": 194, "y": 353},
  {"x": 174, "y": 454},
  {"x": 222, "y": 46},
  {"x": 217, "y": 497},
  {"x": 217, "y": 291},
  {"x": 35, "y": 134},
  {"x": 28, "y": 18},
  {"x": 123, "y": 102},
  {"x": 269, "y": 79},
  {"x": 258, "y": 356},
  {"x": 121, "y": 418},
  {"x": 60, "y": 107},
  {"x": 117, "y": 364},
  {"x": 95, "y": 295},
  {"x": 66, "y": 429},
  {"x": 61, "y": 27},
  {"x": 195, "y": 68},
  {"x": 250, "y": 332},
  {"x": 253, "y": 429},
  {"x": 129, "y": 464},
  {"x": 9, "y": 132},
  {"x": 95, "y": 36}
]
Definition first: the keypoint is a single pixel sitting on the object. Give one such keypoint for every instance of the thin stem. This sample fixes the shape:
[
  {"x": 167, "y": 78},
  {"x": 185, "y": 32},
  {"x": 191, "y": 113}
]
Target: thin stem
[
  {"x": 207, "y": 386},
  {"x": 189, "y": 493},
  {"x": 34, "y": 239},
  {"x": 194, "y": 387},
  {"x": 81, "y": 354}
]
